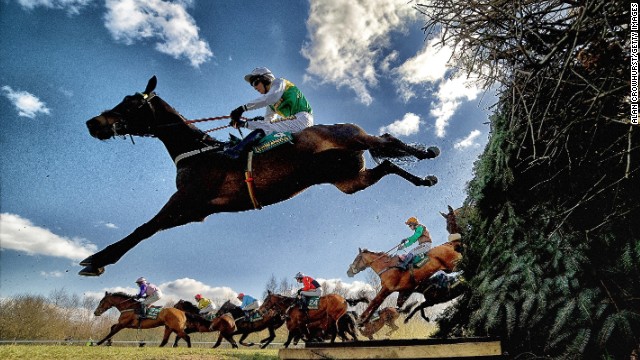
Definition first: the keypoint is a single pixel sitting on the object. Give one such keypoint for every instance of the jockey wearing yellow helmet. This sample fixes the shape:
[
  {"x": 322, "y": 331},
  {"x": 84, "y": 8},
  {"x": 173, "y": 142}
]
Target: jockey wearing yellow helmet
[
  {"x": 205, "y": 305},
  {"x": 421, "y": 235}
]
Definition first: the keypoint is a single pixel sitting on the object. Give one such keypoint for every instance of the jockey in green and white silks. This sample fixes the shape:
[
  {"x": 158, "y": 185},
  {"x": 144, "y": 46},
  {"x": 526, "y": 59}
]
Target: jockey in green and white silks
[
  {"x": 420, "y": 235},
  {"x": 287, "y": 109}
]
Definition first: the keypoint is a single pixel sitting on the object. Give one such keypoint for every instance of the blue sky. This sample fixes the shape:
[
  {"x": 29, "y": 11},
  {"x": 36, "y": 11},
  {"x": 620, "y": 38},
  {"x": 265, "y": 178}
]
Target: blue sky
[{"x": 65, "y": 195}]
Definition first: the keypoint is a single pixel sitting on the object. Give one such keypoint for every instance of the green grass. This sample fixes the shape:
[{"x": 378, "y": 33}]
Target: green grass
[{"x": 32, "y": 352}]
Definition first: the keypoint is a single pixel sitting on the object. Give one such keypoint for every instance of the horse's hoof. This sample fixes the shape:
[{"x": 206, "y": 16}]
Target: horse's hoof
[
  {"x": 432, "y": 152},
  {"x": 430, "y": 180},
  {"x": 86, "y": 262},
  {"x": 91, "y": 271}
]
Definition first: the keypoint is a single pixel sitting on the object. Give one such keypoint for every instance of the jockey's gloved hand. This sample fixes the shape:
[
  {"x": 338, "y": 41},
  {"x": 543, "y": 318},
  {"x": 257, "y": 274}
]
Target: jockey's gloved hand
[
  {"x": 235, "y": 116},
  {"x": 257, "y": 118}
]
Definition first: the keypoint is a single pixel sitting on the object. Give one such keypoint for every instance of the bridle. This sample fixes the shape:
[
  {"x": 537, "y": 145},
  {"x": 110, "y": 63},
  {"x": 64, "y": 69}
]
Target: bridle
[
  {"x": 355, "y": 268},
  {"x": 276, "y": 304},
  {"x": 120, "y": 127},
  {"x": 116, "y": 305}
]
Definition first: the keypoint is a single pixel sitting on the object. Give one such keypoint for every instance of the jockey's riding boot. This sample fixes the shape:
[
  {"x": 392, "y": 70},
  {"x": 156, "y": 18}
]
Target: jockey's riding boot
[
  {"x": 405, "y": 262},
  {"x": 241, "y": 148},
  {"x": 143, "y": 311}
]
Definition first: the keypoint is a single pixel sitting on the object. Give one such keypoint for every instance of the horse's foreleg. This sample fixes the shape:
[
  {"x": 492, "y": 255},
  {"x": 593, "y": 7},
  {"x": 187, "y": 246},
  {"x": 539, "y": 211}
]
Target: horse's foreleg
[
  {"x": 373, "y": 305},
  {"x": 114, "y": 329},
  {"x": 266, "y": 341},
  {"x": 178, "y": 211},
  {"x": 229, "y": 338},
  {"x": 241, "y": 341},
  {"x": 413, "y": 312},
  {"x": 165, "y": 337},
  {"x": 424, "y": 316}
]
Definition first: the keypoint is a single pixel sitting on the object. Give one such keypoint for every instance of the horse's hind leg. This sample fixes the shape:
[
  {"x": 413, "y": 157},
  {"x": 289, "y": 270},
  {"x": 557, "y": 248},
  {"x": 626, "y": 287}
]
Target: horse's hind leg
[
  {"x": 368, "y": 177},
  {"x": 388, "y": 146}
]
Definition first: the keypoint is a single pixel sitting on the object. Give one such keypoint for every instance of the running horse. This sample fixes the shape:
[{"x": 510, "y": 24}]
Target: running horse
[
  {"x": 271, "y": 320},
  {"x": 325, "y": 319},
  {"x": 225, "y": 325},
  {"x": 406, "y": 282},
  {"x": 208, "y": 182},
  {"x": 173, "y": 319}
]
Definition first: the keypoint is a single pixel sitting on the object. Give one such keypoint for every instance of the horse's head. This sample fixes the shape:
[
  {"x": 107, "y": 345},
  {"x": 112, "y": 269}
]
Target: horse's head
[
  {"x": 359, "y": 263},
  {"x": 118, "y": 300},
  {"x": 105, "y": 304},
  {"x": 186, "y": 306},
  {"x": 133, "y": 116},
  {"x": 450, "y": 217}
]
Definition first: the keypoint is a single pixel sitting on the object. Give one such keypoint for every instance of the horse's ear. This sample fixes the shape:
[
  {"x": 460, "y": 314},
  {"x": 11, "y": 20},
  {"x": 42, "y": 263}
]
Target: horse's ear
[
  {"x": 359, "y": 250},
  {"x": 450, "y": 208},
  {"x": 151, "y": 85},
  {"x": 443, "y": 214}
]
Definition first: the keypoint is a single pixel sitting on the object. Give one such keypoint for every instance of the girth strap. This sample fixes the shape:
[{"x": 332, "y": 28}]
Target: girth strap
[{"x": 248, "y": 178}]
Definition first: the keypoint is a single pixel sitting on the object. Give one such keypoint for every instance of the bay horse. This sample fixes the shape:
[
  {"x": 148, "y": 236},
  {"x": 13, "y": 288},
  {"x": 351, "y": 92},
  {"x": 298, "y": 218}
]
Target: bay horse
[
  {"x": 224, "y": 324},
  {"x": 173, "y": 319},
  {"x": 208, "y": 182},
  {"x": 442, "y": 257},
  {"x": 271, "y": 320},
  {"x": 331, "y": 308}
]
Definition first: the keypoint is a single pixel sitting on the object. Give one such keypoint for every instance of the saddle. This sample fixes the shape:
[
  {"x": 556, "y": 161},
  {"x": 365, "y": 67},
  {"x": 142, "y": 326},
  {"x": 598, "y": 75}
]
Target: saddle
[
  {"x": 311, "y": 302},
  {"x": 152, "y": 313},
  {"x": 272, "y": 140}
]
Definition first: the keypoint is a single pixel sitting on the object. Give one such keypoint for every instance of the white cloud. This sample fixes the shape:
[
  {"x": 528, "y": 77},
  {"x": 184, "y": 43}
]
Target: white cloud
[
  {"x": 180, "y": 289},
  {"x": 450, "y": 95},
  {"x": 51, "y": 274},
  {"x": 469, "y": 141},
  {"x": 167, "y": 22},
  {"x": 71, "y": 6},
  {"x": 28, "y": 105},
  {"x": 19, "y": 234},
  {"x": 348, "y": 39},
  {"x": 427, "y": 66},
  {"x": 187, "y": 288},
  {"x": 408, "y": 125},
  {"x": 349, "y": 290}
]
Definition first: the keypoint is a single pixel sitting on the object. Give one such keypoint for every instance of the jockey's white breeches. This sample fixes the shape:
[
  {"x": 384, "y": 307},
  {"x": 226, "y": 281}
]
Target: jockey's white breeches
[{"x": 299, "y": 122}]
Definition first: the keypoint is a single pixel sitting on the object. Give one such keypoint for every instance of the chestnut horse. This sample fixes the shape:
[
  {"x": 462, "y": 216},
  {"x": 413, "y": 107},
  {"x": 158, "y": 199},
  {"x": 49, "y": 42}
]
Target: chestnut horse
[
  {"x": 442, "y": 257},
  {"x": 208, "y": 182},
  {"x": 195, "y": 322},
  {"x": 331, "y": 308},
  {"x": 173, "y": 319}
]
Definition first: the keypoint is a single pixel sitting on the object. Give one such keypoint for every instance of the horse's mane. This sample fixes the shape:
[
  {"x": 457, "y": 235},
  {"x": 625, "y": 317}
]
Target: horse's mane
[
  {"x": 197, "y": 319},
  {"x": 123, "y": 294}
]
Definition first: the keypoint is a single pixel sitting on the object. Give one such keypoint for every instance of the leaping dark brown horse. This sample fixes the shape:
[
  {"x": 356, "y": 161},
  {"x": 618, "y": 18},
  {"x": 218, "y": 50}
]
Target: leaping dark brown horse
[
  {"x": 208, "y": 182},
  {"x": 173, "y": 319}
]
